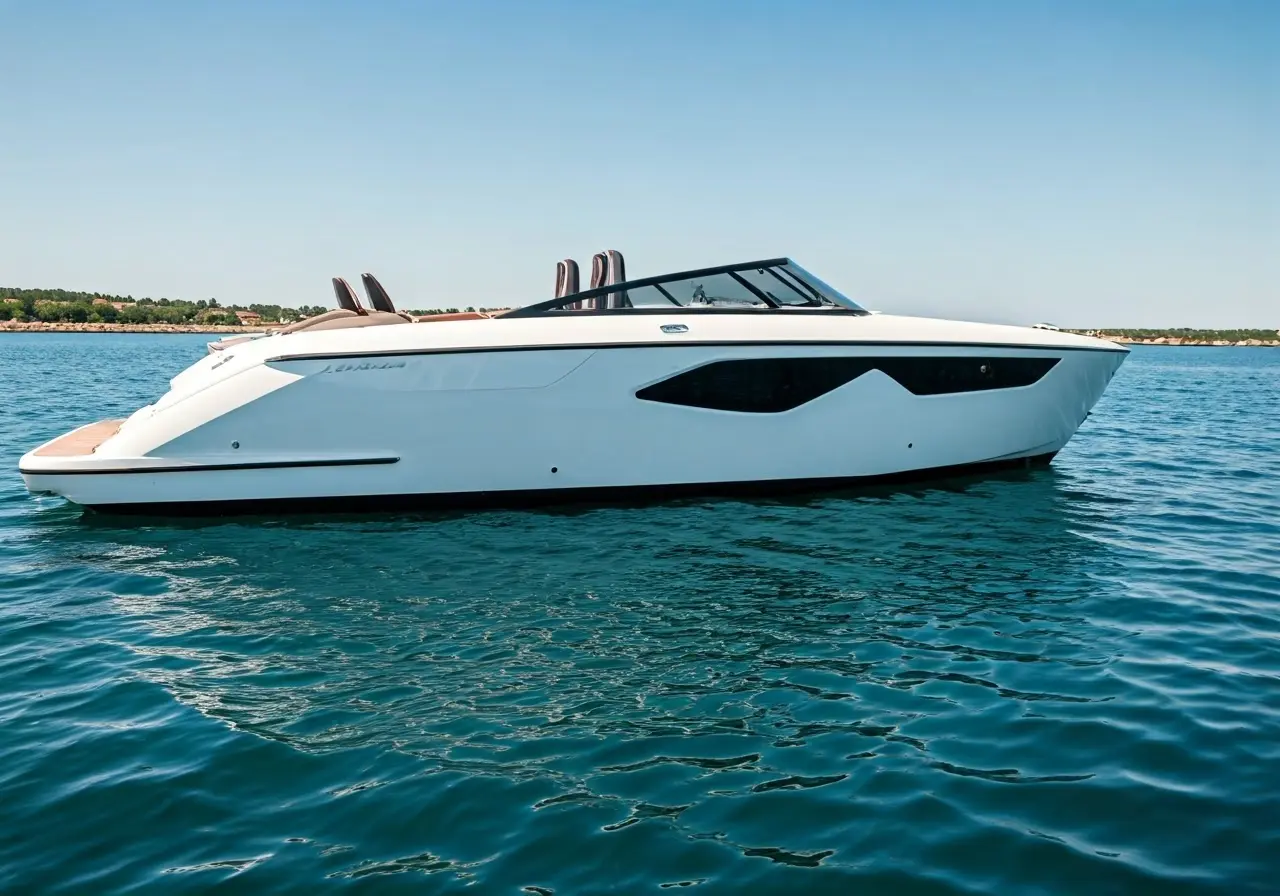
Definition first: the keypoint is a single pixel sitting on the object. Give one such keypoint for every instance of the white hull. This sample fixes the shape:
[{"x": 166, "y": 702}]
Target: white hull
[{"x": 500, "y": 408}]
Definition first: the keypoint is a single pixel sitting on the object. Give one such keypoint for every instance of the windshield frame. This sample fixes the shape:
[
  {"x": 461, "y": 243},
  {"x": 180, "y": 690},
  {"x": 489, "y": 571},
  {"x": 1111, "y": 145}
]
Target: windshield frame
[{"x": 826, "y": 298}]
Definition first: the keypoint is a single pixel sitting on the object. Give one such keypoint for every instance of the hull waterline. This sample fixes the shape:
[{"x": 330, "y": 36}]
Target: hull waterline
[{"x": 535, "y": 498}]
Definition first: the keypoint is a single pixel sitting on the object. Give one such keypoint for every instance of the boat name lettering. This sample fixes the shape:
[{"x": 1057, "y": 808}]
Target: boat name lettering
[{"x": 362, "y": 365}]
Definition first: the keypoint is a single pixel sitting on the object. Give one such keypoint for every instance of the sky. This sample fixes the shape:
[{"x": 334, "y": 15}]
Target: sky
[{"x": 1083, "y": 163}]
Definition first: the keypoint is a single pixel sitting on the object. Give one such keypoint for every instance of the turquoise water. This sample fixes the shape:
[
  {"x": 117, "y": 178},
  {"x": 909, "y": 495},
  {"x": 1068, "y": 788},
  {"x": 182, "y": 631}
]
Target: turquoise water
[{"x": 1066, "y": 680}]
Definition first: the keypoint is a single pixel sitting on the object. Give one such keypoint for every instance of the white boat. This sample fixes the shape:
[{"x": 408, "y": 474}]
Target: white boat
[{"x": 747, "y": 377}]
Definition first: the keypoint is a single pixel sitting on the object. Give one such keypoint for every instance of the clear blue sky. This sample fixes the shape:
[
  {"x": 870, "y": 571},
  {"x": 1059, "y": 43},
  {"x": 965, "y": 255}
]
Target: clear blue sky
[{"x": 1111, "y": 163}]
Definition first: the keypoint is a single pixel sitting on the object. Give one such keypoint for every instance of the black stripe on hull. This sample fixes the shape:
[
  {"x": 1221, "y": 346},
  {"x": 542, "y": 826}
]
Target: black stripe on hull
[
  {"x": 560, "y": 496},
  {"x": 676, "y": 342},
  {"x": 216, "y": 468}
]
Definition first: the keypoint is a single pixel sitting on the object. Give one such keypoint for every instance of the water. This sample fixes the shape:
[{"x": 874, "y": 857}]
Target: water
[{"x": 1059, "y": 681}]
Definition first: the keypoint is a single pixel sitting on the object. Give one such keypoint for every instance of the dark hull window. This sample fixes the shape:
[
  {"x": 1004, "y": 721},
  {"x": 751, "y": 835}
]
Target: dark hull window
[{"x": 772, "y": 385}]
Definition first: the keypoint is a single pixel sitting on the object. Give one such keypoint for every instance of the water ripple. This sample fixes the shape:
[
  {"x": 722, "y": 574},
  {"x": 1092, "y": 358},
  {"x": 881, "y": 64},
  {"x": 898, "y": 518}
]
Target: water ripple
[{"x": 820, "y": 694}]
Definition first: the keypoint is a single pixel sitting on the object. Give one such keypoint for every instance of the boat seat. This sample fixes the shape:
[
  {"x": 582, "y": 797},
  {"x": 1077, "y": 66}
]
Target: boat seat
[
  {"x": 567, "y": 281},
  {"x": 455, "y": 315},
  {"x": 346, "y": 296},
  {"x": 379, "y": 298},
  {"x": 307, "y": 323},
  {"x": 342, "y": 319},
  {"x": 608, "y": 268},
  {"x": 615, "y": 272}
]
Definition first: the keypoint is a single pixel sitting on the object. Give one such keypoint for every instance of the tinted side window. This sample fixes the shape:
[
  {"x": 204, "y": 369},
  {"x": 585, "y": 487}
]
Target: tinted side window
[
  {"x": 773, "y": 385},
  {"x": 940, "y": 376}
]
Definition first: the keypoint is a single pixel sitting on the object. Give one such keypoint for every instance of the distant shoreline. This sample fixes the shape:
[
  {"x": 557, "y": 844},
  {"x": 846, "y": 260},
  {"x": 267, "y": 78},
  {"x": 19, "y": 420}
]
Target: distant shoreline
[
  {"x": 1179, "y": 340},
  {"x": 1194, "y": 343},
  {"x": 13, "y": 326}
]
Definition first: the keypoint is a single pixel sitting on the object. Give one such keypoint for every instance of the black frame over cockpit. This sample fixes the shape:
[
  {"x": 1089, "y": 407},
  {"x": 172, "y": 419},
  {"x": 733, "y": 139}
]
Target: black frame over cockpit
[{"x": 781, "y": 269}]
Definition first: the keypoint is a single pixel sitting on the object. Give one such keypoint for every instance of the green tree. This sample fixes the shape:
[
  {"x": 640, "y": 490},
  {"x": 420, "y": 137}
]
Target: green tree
[
  {"x": 134, "y": 314},
  {"x": 49, "y": 312}
]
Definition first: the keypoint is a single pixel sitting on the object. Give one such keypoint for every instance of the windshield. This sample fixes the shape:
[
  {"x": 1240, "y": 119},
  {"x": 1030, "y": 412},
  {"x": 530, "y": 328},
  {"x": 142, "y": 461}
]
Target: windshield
[
  {"x": 761, "y": 285},
  {"x": 828, "y": 292}
]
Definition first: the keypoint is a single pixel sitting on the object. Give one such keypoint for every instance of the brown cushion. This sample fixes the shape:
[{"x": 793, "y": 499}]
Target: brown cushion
[
  {"x": 457, "y": 315},
  {"x": 338, "y": 314}
]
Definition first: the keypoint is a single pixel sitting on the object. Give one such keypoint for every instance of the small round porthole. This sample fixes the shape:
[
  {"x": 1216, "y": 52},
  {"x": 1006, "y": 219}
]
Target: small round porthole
[{"x": 235, "y": 444}]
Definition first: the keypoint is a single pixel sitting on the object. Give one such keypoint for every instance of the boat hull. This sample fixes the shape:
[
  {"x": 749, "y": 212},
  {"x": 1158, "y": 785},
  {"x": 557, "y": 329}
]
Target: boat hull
[
  {"x": 568, "y": 423},
  {"x": 532, "y": 498}
]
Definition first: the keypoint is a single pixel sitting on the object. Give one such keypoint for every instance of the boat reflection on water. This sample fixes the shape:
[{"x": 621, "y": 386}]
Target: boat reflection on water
[
  {"x": 612, "y": 665},
  {"x": 458, "y": 612}
]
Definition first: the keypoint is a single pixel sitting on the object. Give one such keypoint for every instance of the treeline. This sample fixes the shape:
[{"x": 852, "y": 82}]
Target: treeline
[
  {"x": 1190, "y": 334},
  {"x": 67, "y": 306}
]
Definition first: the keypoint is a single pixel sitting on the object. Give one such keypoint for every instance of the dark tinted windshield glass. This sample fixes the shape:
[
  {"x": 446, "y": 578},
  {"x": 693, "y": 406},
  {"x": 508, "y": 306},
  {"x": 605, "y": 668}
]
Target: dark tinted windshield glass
[
  {"x": 763, "y": 285},
  {"x": 711, "y": 290}
]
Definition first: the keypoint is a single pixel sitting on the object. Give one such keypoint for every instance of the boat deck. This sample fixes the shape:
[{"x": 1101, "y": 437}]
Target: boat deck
[{"x": 81, "y": 442}]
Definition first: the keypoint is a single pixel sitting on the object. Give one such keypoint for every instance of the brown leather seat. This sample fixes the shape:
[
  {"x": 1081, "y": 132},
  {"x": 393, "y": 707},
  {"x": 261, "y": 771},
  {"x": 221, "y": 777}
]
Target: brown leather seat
[
  {"x": 342, "y": 319},
  {"x": 456, "y": 315},
  {"x": 351, "y": 314},
  {"x": 307, "y": 323}
]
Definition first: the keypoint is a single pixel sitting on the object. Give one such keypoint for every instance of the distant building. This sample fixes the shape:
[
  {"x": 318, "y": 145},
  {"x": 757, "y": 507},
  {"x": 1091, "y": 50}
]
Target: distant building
[{"x": 249, "y": 317}]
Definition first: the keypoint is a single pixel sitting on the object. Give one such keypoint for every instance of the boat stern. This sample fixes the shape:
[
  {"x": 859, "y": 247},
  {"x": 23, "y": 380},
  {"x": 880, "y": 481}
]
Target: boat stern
[{"x": 43, "y": 465}]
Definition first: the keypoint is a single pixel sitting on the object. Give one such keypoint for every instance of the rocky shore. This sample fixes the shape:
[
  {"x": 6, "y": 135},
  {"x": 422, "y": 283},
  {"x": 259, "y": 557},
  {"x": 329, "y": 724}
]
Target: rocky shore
[
  {"x": 1178, "y": 340},
  {"x": 13, "y": 326}
]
